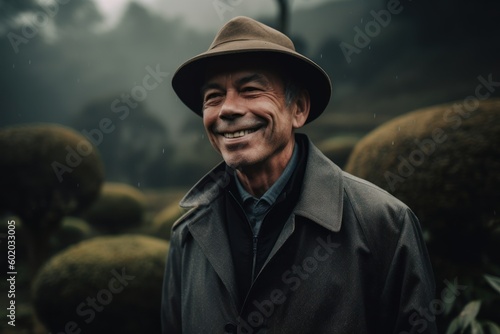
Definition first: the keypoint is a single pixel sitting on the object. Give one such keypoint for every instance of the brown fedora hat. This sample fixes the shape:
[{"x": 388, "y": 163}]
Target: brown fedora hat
[{"x": 245, "y": 36}]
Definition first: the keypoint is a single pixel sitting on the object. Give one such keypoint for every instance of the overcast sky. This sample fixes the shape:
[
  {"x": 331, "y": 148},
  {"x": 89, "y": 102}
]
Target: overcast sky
[{"x": 201, "y": 14}]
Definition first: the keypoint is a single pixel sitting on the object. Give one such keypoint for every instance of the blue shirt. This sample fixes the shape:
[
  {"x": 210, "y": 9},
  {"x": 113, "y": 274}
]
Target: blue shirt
[{"x": 257, "y": 208}]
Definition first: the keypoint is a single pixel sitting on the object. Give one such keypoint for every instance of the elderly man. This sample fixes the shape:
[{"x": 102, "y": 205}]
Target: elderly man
[{"x": 277, "y": 238}]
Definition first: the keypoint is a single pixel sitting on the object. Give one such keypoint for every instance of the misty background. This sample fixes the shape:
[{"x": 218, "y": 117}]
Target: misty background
[{"x": 76, "y": 62}]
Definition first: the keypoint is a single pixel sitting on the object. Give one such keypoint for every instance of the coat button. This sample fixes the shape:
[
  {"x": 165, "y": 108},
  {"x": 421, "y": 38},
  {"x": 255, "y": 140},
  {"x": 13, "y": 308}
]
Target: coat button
[{"x": 230, "y": 329}]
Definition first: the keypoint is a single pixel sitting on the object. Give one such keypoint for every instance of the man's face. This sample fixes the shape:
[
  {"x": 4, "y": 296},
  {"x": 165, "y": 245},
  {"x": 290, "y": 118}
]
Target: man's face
[{"x": 247, "y": 119}]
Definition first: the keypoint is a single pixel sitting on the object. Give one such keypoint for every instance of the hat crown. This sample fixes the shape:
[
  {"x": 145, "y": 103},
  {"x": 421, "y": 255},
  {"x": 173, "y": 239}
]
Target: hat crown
[
  {"x": 244, "y": 28},
  {"x": 244, "y": 37}
]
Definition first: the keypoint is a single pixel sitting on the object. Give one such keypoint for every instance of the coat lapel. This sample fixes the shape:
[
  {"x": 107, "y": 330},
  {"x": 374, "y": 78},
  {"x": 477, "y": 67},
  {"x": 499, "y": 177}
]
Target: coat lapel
[
  {"x": 321, "y": 200},
  {"x": 322, "y": 195},
  {"x": 209, "y": 232},
  {"x": 207, "y": 226}
]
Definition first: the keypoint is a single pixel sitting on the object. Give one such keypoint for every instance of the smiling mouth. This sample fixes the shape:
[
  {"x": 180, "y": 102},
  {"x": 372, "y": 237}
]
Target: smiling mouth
[{"x": 238, "y": 134}]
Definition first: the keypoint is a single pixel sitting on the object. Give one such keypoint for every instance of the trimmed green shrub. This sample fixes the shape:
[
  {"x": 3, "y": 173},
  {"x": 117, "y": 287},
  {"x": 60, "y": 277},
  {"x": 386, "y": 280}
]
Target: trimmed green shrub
[
  {"x": 47, "y": 171},
  {"x": 444, "y": 162},
  {"x": 118, "y": 207},
  {"x": 72, "y": 231},
  {"x": 103, "y": 285},
  {"x": 338, "y": 149},
  {"x": 165, "y": 219}
]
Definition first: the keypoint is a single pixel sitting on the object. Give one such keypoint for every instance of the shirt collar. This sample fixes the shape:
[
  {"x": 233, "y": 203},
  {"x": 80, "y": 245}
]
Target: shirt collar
[{"x": 274, "y": 191}]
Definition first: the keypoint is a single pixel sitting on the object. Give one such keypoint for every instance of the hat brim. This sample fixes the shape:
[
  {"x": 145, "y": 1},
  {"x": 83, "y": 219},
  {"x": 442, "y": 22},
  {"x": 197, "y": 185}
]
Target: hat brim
[{"x": 190, "y": 77}]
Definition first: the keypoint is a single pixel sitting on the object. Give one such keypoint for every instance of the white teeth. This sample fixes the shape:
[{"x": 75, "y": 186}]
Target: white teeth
[{"x": 237, "y": 134}]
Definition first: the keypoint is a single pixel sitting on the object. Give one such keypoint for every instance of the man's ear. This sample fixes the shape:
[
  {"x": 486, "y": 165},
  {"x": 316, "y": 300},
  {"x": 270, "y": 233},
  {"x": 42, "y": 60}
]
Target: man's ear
[{"x": 301, "y": 108}]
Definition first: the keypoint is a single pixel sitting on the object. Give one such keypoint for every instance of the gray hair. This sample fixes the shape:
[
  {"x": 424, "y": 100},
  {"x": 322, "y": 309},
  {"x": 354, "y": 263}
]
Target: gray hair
[{"x": 292, "y": 91}]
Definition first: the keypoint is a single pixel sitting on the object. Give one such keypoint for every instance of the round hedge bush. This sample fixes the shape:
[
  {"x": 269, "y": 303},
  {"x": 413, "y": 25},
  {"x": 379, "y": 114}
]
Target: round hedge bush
[
  {"x": 338, "y": 149},
  {"x": 444, "y": 162},
  {"x": 103, "y": 285},
  {"x": 118, "y": 207},
  {"x": 165, "y": 219},
  {"x": 72, "y": 231},
  {"x": 48, "y": 172}
]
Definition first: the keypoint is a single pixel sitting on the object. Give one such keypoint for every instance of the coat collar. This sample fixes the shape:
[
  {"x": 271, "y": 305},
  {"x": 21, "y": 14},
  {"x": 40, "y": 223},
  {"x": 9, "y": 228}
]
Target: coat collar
[{"x": 321, "y": 199}]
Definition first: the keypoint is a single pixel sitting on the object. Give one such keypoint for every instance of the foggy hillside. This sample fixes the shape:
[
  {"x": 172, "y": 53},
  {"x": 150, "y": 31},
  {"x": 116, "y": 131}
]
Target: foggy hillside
[{"x": 74, "y": 72}]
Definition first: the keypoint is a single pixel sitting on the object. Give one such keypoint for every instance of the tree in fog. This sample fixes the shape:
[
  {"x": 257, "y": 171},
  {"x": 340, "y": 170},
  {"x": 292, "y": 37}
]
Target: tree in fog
[{"x": 135, "y": 146}]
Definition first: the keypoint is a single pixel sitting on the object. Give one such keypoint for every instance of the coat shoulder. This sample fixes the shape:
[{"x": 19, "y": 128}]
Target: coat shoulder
[
  {"x": 371, "y": 202},
  {"x": 382, "y": 218}
]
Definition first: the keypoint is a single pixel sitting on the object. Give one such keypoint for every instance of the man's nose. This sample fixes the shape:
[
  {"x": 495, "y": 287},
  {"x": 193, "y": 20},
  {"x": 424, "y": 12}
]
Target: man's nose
[{"x": 232, "y": 106}]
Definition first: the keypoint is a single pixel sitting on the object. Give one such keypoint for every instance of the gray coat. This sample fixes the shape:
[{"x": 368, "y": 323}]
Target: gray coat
[{"x": 350, "y": 259}]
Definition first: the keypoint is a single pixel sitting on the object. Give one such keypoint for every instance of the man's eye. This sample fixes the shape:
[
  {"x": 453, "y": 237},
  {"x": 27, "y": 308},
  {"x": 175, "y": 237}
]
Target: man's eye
[
  {"x": 249, "y": 89},
  {"x": 212, "y": 96}
]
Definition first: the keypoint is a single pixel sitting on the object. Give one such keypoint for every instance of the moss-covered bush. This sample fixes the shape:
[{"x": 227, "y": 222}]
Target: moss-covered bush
[
  {"x": 103, "y": 285},
  {"x": 338, "y": 149},
  {"x": 444, "y": 162},
  {"x": 118, "y": 207},
  {"x": 47, "y": 171},
  {"x": 165, "y": 219},
  {"x": 72, "y": 231}
]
